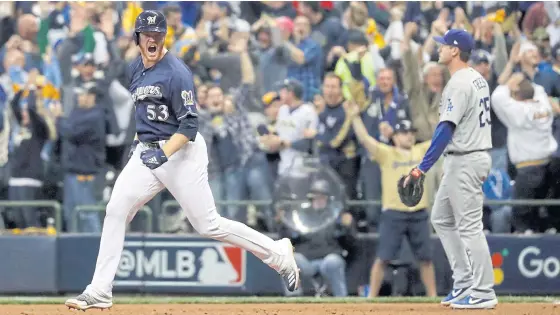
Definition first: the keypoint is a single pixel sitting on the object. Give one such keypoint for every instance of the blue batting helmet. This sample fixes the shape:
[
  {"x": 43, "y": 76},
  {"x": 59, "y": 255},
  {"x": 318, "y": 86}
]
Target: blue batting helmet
[{"x": 149, "y": 21}]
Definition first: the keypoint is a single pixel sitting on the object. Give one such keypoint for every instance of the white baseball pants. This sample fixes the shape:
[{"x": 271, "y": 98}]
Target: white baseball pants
[
  {"x": 185, "y": 176},
  {"x": 457, "y": 219}
]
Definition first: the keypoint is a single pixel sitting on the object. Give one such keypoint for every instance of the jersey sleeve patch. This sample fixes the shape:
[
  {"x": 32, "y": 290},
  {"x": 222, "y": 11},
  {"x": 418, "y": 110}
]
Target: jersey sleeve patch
[
  {"x": 454, "y": 105},
  {"x": 184, "y": 97},
  {"x": 189, "y": 103}
]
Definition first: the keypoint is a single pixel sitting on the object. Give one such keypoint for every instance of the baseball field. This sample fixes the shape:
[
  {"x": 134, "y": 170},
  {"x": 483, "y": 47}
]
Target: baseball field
[{"x": 126, "y": 305}]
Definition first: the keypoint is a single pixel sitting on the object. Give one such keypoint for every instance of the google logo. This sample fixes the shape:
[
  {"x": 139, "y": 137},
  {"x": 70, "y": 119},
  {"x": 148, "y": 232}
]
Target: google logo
[{"x": 497, "y": 262}]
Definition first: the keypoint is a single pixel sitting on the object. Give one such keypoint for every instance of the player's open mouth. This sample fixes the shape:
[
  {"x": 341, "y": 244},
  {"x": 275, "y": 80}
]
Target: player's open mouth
[{"x": 152, "y": 48}]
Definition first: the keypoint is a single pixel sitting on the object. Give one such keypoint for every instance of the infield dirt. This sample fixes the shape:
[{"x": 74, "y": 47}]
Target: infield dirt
[{"x": 279, "y": 309}]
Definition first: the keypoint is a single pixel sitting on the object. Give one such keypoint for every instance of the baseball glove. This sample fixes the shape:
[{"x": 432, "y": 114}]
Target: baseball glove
[{"x": 411, "y": 194}]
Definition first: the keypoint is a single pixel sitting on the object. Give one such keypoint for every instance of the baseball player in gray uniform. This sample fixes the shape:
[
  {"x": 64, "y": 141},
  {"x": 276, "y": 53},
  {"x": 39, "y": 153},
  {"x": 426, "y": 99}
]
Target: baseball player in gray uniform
[{"x": 463, "y": 136}]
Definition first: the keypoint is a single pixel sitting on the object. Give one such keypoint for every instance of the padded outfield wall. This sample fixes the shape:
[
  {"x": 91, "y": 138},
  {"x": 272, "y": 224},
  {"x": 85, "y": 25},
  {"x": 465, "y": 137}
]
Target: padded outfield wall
[{"x": 152, "y": 263}]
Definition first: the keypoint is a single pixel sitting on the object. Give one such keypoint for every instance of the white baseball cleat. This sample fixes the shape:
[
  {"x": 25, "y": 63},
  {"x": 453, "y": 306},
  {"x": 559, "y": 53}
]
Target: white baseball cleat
[
  {"x": 470, "y": 302},
  {"x": 86, "y": 301},
  {"x": 289, "y": 269}
]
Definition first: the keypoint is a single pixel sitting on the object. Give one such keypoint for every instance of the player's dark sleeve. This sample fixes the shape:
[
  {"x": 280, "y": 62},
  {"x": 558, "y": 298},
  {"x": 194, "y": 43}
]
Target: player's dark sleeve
[
  {"x": 440, "y": 140},
  {"x": 183, "y": 102}
]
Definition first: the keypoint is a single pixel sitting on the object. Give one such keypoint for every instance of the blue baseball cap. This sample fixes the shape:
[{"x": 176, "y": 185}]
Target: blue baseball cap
[{"x": 458, "y": 38}]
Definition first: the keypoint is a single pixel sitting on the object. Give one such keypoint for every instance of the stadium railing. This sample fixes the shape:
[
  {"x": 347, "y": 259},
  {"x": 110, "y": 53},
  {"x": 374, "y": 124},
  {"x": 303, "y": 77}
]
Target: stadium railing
[
  {"x": 510, "y": 202},
  {"x": 55, "y": 205},
  {"x": 101, "y": 208}
]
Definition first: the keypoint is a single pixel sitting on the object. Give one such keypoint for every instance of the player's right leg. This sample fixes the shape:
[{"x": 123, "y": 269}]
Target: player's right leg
[
  {"x": 185, "y": 176},
  {"x": 444, "y": 224},
  {"x": 135, "y": 186},
  {"x": 467, "y": 199}
]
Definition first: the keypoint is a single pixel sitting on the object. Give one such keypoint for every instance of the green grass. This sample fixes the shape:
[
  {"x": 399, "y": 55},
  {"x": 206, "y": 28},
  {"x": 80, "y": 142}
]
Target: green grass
[{"x": 265, "y": 300}]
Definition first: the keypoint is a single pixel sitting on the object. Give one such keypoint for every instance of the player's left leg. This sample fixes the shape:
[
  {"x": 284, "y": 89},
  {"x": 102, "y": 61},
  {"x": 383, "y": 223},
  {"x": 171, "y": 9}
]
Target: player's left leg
[
  {"x": 445, "y": 226},
  {"x": 135, "y": 186},
  {"x": 185, "y": 176},
  {"x": 467, "y": 201}
]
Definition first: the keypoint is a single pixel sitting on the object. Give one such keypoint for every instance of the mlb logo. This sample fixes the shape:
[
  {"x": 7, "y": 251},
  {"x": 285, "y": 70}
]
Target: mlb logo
[
  {"x": 180, "y": 263},
  {"x": 222, "y": 265}
]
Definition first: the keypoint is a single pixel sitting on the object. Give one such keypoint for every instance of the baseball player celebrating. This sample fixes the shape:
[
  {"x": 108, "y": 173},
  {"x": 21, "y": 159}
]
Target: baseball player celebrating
[
  {"x": 168, "y": 152},
  {"x": 463, "y": 136}
]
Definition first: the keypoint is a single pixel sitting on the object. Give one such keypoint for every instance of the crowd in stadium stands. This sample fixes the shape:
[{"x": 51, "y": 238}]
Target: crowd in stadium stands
[{"x": 273, "y": 81}]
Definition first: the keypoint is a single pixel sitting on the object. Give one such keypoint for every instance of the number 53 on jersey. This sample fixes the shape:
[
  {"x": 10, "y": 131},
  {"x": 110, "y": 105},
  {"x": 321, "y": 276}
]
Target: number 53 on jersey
[{"x": 157, "y": 112}]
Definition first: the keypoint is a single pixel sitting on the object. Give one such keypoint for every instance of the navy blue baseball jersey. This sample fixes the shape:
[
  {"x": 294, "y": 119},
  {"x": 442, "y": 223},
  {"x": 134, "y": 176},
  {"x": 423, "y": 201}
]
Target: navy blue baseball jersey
[{"x": 164, "y": 98}]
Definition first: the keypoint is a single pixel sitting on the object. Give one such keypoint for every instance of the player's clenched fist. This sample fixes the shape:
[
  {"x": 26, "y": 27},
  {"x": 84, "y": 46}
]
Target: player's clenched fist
[{"x": 153, "y": 158}]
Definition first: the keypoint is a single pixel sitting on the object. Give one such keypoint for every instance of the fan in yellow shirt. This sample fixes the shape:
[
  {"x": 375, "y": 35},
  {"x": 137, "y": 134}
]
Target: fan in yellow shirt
[
  {"x": 396, "y": 162},
  {"x": 397, "y": 220}
]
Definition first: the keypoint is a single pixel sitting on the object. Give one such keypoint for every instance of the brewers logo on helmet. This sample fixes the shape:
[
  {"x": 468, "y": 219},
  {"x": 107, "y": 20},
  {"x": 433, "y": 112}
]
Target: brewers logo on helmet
[{"x": 149, "y": 21}]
